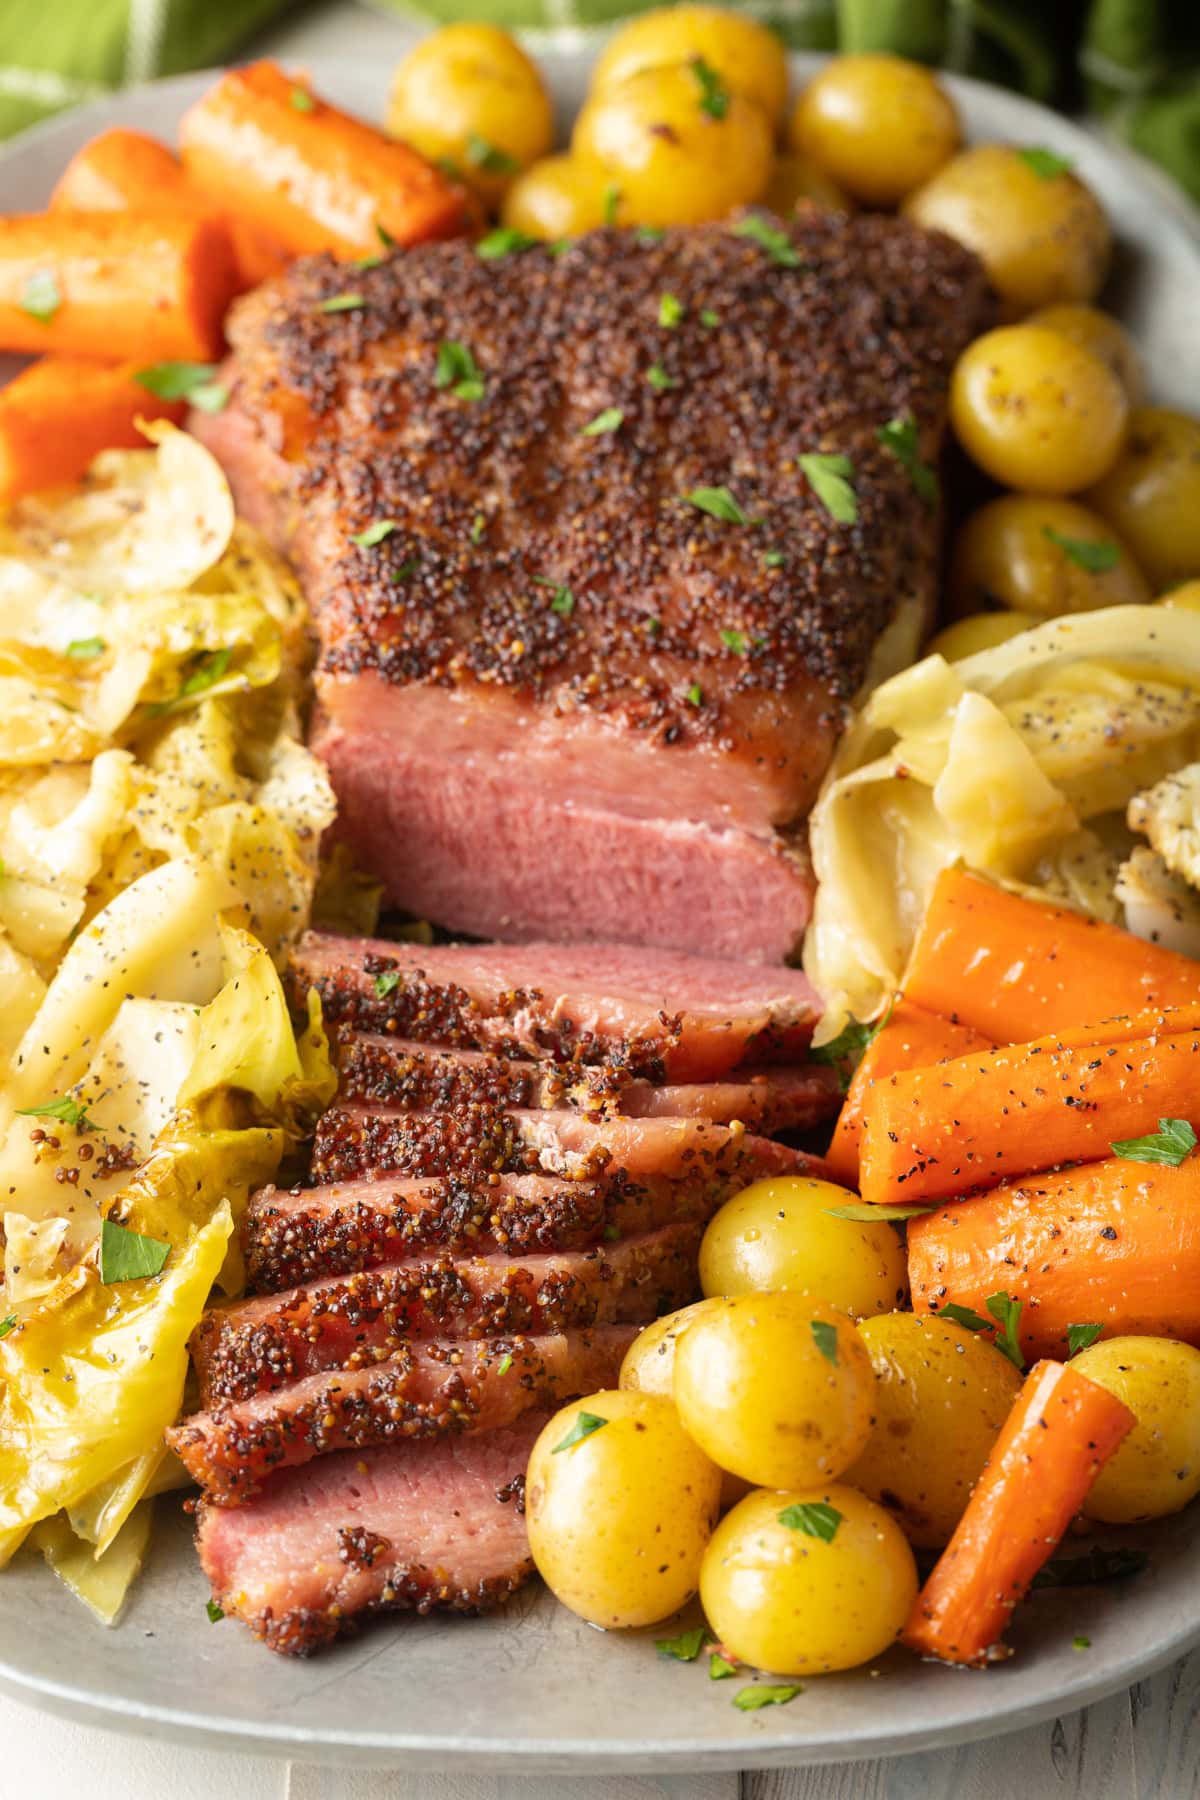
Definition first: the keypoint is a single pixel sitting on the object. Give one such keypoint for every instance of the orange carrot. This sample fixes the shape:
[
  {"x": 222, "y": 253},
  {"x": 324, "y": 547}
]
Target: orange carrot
[
  {"x": 1016, "y": 968},
  {"x": 933, "y": 1133},
  {"x": 1113, "y": 1243},
  {"x": 63, "y": 410},
  {"x": 270, "y": 153},
  {"x": 1061, "y": 1431},
  {"x": 911, "y": 1038},
  {"x": 114, "y": 285}
]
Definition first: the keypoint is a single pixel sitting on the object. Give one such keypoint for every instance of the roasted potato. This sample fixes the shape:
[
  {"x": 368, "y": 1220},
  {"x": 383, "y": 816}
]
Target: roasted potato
[
  {"x": 1104, "y": 336},
  {"x": 559, "y": 197},
  {"x": 1041, "y": 556},
  {"x": 748, "y": 58},
  {"x": 881, "y": 126},
  {"x": 1156, "y": 1470},
  {"x": 1151, "y": 494},
  {"x": 795, "y": 178}
]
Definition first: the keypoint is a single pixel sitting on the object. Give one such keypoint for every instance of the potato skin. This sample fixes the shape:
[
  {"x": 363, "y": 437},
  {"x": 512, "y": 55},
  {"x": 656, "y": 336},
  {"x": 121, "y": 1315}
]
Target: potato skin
[
  {"x": 1151, "y": 494},
  {"x": 1104, "y": 336},
  {"x": 880, "y": 125},
  {"x": 1156, "y": 1470},
  {"x": 649, "y": 1364},
  {"x": 749, "y": 58},
  {"x": 1010, "y": 553},
  {"x": 785, "y": 1601},
  {"x": 618, "y": 1521},
  {"x": 797, "y": 178},
  {"x": 942, "y": 1393},
  {"x": 557, "y": 197}
]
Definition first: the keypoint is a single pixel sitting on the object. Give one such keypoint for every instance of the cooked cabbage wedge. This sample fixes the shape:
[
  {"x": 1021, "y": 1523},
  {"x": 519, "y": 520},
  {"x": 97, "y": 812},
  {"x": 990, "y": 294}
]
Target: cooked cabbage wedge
[{"x": 1018, "y": 762}]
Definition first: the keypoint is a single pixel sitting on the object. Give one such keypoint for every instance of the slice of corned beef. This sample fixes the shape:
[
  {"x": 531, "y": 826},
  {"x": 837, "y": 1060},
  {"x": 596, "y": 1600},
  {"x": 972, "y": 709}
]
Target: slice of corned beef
[
  {"x": 422, "y": 1526},
  {"x": 657, "y": 1014},
  {"x": 429, "y": 1388}
]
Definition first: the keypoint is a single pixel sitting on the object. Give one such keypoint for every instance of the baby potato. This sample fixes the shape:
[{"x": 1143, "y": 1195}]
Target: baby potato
[
  {"x": 619, "y": 1503},
  {"x": 649, "y": 1365},
  {"x": 807, "y": 1581},
  {"x": 942, "y": 1394},
  {"x": 1046, "y": 557},
  {"x": 559, "y": 197},
  {"x": 1156, "y": 1470},
  {"x": 795, "y": 178},
  {"x": 1038, "y": 412},
  {"x": 469, "y": 94},
  {"x": 1039, "y": 231},
  {"x": 673, "y": 162},
  {"x": 1104, "y": 336},
  {"x": 1151, "y": 495},
  {"x": 777, "y": 1388},
  {"x": 747, "y": 56},
  {"x": 978, "y": 631},
  {"x": 1187, "y": 595},
  {"x": 778, "y": 1233},
  {"x": 880, "y": 125}
]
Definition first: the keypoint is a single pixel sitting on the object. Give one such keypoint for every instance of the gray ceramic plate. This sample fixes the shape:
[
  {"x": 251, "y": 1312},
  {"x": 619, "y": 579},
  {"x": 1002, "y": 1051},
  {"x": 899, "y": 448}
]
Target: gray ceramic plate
[{"x": 533, "y": 1688}]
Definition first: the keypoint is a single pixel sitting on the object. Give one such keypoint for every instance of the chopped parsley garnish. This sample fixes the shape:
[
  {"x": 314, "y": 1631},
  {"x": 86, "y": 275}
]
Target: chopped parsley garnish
[
  {"x": 718, "y": 1668},
  {"x": 611, "y": 1234},
  {"x": 300, "y": 100},
  {"x": 714, "y": 95},
  {"x": 684, "y": 1648},
  {"x": 845, "y": 1051},
  {"x": 1096, "y": 555},
  {"x": 612, "y": 201},
  {"x": 337, "y": 303},
  {"x": 774, "y": 559},
  {"x": 815, "y": 1518},
  {"x": 962, "y": 1315},
  {"x": 457, "y": 370},
  {"x": 7, "y": 1325},
  {"x": 41, "y": 296},
  {"x": 505, "y": 1363},
  {"x": 737, "y": 641},
  {"x": 82, "y": 648},
  {"x": 1007, "y": 1313},
  {"x": 708, "y": 318},
  {"x": 386, "y": 983},
  {"x": 193, "y": 382},
  {"x": 404, "y": 571},
  {"x": 1171, "y": 1144},
  {"x": 753, "y": 1698},
  {"x": 585, "y": 1424},
  {"x": 1046, "y": 164},
  {"x": 863, "y": 1213},
  {"x": 658, "y": 378},
  {"x": 1081, "y": 1643},
  {"x": 650, "y": 234},
  {"x": 478, "y": 527},
  {"x": 776, "y": 243},
  {"x": 901, "y": 437},
  {"x": 215, "y": 1611},
  {"x": 65, "y": 1110},
  {"x": 505, "y": 240},
  {"x": 384, "y": 235},
  {"x": 211, "y": 666},
  {"x": 831, "y": 478},
  {"x": 670, "y": 311},
  {"x": 653, "y": 627},
  {"x": 1092, "y": 1569},
  {"x": 1079, "y": 1337},
  {"x": 489, "y": 157},
  {"x": 373, "y": 534},
  {"x": 128, "y": 1256},
  {"x": 562, "y": 600},
  {"x": 718, "y": 503},
  {"x": 825, "y": 1338},
  {"x": 695, "y": 695},
  {"x": 611, "y": 419}
]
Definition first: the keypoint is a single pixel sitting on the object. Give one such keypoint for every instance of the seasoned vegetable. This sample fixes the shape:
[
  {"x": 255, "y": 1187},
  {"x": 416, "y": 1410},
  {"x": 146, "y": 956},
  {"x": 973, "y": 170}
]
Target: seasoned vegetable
[
  {"x": 746, "y": 57},
  {"x": 797, "y": 178},
  {"x": 1061, "y": 1431},
  {"x": 649, "y": 1365},
  {"x": 1156, "y": 1470},
  {"x": 781, "y": 1233},
  {"x": 775, "y": 1387},
  {"x": 942, "y": 1393},
  {"x": 61, "y": 411},
  {"x": 880, "y": 125},
  {"x": 620, "y": 1504},
  {"x": 1104, "y": 336},
  {"x": 808, "y": 1580},
  {"x": 1043, "y": 557},
  {"x": 559, "y": 197},
  {"x": 1151, "y": 495}
]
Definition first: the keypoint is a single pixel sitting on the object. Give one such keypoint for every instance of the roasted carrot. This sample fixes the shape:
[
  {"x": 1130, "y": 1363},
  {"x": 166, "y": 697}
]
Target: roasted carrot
[
  {"x": 63, "y": 410},
  {"x": 934, "y": 1133},
  {"x": 114, "y": 285},
  {"x": 1114, "y": 1243},
  {"x": 1015, "y": 968},
  {"x": 272, "y": 154},
  {"x": 1061, "y": 1431},
  {"x": 911, "y": 1038}
]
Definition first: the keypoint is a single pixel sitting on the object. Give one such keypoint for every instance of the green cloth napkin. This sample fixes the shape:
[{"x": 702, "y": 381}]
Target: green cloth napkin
[{"x": 1135, "y": 61}]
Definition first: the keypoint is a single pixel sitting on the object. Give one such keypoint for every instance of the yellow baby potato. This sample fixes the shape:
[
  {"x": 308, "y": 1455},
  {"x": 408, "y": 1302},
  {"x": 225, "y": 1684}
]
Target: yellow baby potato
[
  {"x": 878, "y": 124},
  {"x": 747, "y": 56},
  {"x": 1038, "y": 412},
  {"x": 1151, "y": 495},
  {"x": 1104, "y": 336},
  {"x": 649, "y": 1365},
  {"x": 619, "y": 1503},
  {"x": 559, "y": 197},
  {"x": 1156, "y": 1470},
  {"x": 672, "y": 161},
  {"x": 779, "y": 1233},
  {"x": 777, "y": 1388},
  {"x": 807, "y": 1581},
  {"x": 1042, "y": 556},
  {"x": 942, "y": 1393},
  {"x": 1039, "y": 231},
  {"x": 470, "y": 95},
  {"x": 979, "y": 631},
  {"x": 795, "y": 178}
]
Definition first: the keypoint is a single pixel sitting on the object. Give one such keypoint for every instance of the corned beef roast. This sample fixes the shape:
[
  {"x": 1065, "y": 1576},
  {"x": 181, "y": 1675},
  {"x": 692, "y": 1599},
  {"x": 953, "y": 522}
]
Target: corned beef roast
[{"x": 558, "y": 697}]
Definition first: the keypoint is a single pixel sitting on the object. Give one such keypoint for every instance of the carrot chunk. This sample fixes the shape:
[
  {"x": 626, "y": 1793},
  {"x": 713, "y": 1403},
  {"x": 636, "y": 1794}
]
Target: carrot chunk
[{"x": 63, "y": 410}]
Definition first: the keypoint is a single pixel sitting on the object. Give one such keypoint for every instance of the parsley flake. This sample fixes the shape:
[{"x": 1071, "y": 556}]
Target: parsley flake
[
  {"x": 815, "y": 1518},
  {"x": 900, "y": 436},
  {"x": 611, "y": 202},
  {"x": 65, "y": 1110},
  {"x": 650, "y": 234},
  {"x": 585, "y": 1424},
  {"x": 128, "y": 1255},
  {"x": 1007, "y": 1313},
  {"x": 658, "y": 378},
  {"x": 709, "y": 319},
  {"x": 209, "y": 667},
  {"x": 714, "y": 95},
  {"x": 1096, "y": 555},
  {"x": 505, "y": 240},
  {"x": 1171, "y": 1144},
  {"x": 670, "y": 311},
  {"x": 384, "y": 235},
  {"x": 82, "y": 648},
  {"x": 737, "y": 641},
  {"x": 864, "y": 1213},
  {"x": 611, "y": 1234},
  {"x": 41, "y": 296},
  {"x": 962, "y": 1315},
  {"x": 215, "y": 1611},
  {"x": 825, "y": 1338},
  {"x": 562, "y": 600},
  {"x": 7, "y": 1325},
  {"x": 774, "y": 559},
  {"x": 338, "y": 303},
  {"x": 776, "y": 243},
  {"x": 457, "y": 370},
  {"x": 831, "y": 478},
  {"x": 718, "y": 503},
  {"x": 478, "y": 527},
  {"x": 695, "y": 695},
  {"x": 386, "y": 983},
  {"x": 404, "y": 571},
  {"x": 845, "y": 1051},
  {"x": 1081, "y": 1643},
  {"x": 684, "y": 1648},
  {"x": 505, "y": 1363},
  {"x": 193, "y": 382},
  {"x": 611, "y": 419},
  {"x": 1046, "y": 164},
  {"x": 300, "y": 100},
  {"x": 373, "y": 534},
  {"x": 718, "y": 1668},
  {"x": 754, "y": 1698},
  {"x": 489, "y": 157},
  {"x": 1079, "y": 1337}
]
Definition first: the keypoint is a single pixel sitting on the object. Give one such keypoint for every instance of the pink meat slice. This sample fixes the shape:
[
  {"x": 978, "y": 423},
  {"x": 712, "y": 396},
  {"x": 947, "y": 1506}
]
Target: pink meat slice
[{"x": 423, "y": 1526}]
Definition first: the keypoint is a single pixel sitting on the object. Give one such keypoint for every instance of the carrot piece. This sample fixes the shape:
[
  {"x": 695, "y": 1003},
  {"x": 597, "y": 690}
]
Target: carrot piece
[
  {"x": 115, "y": 285},
  {"x": 1016, "y": 968},
  {"x": 931, "y": 1134},
  {"x": 1115, "y": 1243},
  {"x": 310, "y": 175},
  {"x": 1061, "y": 1431},
  {"x": 911, "y": 1038},
  {"x": 63, "y": 410}
]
